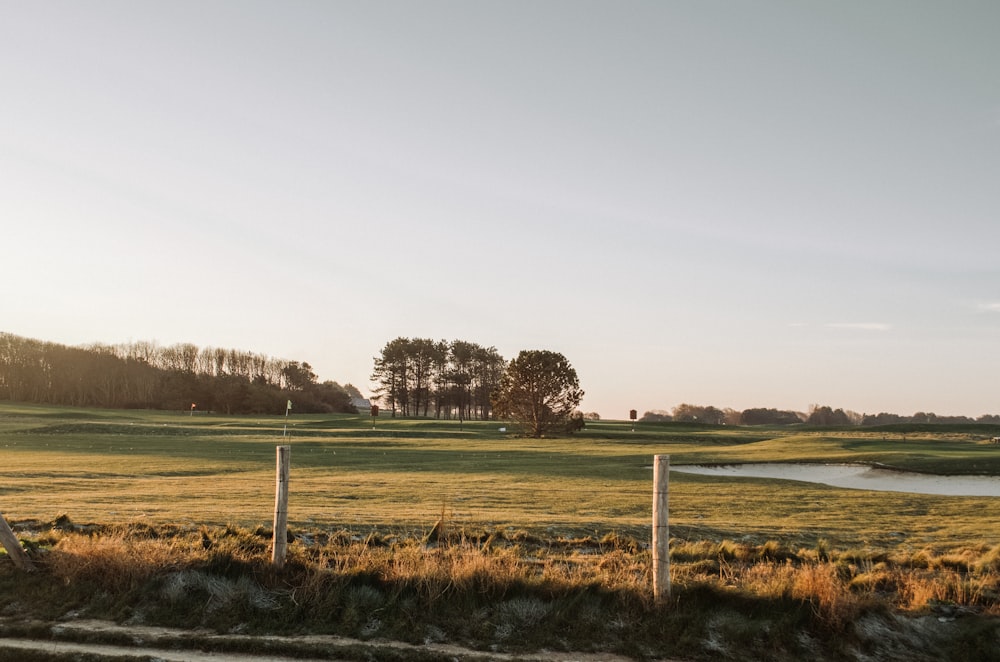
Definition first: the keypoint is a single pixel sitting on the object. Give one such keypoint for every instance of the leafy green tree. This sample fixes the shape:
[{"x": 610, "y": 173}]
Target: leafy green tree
[
  {"x": 656, "y": 416},
  {"x": 762, "y": 416},
  {"x": 826, "y": 416},
  {"x": 352, "y": 391},
  {"x": 882, "y": 418},
  {"x": 575, "y": 422},
  {"x": 331, "y": 397},
  {"x": 298, "y": 377},
  {"x": 699, "y": 414},
  {"x": 539, "y": 390},
  {"x": 390, "y": 373}
]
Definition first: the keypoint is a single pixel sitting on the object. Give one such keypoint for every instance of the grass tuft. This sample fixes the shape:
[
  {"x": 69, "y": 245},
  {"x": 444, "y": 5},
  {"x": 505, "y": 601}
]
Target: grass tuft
[{"x": 511, "y": 595}]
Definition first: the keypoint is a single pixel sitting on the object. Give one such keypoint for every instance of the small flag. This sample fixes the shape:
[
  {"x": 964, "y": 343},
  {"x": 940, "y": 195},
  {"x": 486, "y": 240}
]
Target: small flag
[{"x": 289, "y": 406}]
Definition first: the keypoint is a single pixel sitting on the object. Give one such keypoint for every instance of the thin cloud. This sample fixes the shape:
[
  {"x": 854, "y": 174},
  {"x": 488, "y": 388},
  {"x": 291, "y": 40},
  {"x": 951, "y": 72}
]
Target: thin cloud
[
  {"x": 860, "y": 326},
  {"x": 993, "y": 307}
]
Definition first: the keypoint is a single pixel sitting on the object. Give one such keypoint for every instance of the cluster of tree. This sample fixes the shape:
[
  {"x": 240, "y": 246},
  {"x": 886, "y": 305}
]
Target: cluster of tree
[
  {"x": 923, "y": 417},
  {"x": 538, "y": 389},
  {"x": 818, "y": 415},
  {"x": 145, "y": 375},
  {"x": 761, "y": 416},
  {"x": 698, "y": 414},
  {"x": 424, "y": 377},
  {"x": 688, "y": 413},
  {"x": 656, "y": 416},
  {"x": 827, "y": 416},
  {"x": 838, "y": 417}
]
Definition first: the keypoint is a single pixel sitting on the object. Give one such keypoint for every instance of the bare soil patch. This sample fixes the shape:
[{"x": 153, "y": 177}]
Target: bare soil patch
[{"x": 88, "y": 636}]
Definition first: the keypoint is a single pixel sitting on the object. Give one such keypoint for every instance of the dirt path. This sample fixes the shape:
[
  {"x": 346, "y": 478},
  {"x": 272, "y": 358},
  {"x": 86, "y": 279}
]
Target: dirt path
[
  {"x": 174, "y": 645},
  {"x": 69, "y": 648}
]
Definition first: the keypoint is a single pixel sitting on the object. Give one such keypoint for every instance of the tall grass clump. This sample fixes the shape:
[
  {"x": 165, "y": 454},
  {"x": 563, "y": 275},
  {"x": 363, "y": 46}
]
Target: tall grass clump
[
  {"x": 119, "y": 558},
  {"x": 509, "y": 591}
]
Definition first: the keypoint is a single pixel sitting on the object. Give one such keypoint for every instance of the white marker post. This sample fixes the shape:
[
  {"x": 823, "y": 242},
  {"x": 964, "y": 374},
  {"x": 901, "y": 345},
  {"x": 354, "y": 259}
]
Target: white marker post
[
  {"x": 280, "y": 539},
  {"x": 13, "y": 547},
  {"x": 287, "y": 409},
  {"x": 661, "y": 529}
]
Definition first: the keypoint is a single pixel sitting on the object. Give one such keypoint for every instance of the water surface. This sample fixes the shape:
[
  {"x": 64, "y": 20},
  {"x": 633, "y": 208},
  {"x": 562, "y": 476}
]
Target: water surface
[{"x": 857, "y": 476}]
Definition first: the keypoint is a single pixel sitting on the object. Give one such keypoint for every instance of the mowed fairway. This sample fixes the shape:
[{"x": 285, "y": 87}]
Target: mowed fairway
[{"x": 157, "y": 467}]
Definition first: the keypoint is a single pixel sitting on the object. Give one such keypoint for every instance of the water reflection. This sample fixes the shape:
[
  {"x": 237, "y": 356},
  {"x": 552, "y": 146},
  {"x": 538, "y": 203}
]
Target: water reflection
[{"x": 855, "y": 476}]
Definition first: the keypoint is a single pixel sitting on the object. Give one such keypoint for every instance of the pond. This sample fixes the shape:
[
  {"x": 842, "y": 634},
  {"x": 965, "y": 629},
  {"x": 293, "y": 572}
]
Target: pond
[{"x": 857, "y": 476}]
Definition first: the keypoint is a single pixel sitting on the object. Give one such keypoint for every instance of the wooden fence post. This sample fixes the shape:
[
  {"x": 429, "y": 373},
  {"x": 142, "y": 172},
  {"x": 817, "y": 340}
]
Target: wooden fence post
[
  {"x": 13, "y": 547},
  {"x": 280, "y": 541},
  {"x": 661, "y": 529}
]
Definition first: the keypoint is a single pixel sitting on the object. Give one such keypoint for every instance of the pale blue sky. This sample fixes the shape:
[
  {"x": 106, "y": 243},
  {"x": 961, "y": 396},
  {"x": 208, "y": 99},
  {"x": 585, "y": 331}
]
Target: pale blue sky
[{"x": 742, "y": 204}]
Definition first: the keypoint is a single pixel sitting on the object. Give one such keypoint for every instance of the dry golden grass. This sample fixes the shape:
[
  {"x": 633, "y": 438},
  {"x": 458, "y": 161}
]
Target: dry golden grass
[
  {"x": 504, "y": 588},
  {"x": 837, "y": 585},
  {"x": 116, "y": 560}
]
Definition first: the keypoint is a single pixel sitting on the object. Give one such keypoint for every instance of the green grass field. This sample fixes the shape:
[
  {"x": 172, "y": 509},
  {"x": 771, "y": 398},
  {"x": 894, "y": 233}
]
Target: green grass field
[
  {"x": 160, "y": 467},
  {"x": 542, "y": 545}
]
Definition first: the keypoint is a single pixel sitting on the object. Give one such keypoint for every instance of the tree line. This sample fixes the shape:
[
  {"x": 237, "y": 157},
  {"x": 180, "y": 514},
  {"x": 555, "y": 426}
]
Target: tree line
[
  {"x": 145, "y": 375},
  {"x": 425, "y": 377},
  {"x": 819, "y": 415},
  {"x": 538, "y": 389}
]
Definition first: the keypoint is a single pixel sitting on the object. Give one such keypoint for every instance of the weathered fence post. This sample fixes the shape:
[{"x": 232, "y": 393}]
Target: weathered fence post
[
  {"x": 661, "y": 529},
  {"x": 13, "y": 547},
  {"x": 280, "y": 541}
]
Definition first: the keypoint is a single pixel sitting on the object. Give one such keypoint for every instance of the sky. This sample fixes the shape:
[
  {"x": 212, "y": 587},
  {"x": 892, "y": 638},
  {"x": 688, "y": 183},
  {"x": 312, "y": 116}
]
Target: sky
[{"x": 739, "y": 204}]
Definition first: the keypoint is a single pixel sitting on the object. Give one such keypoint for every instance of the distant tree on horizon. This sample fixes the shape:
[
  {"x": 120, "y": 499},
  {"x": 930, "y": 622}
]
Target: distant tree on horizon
[
  {"x": 819, "y": 415},
  {"x": 656, "y": 416},
  {"x": 761, "y": 416},
  {"x": 826, "y": 416},
  {"x": 882, "y": 418},
  {"x": 144, "y": 375},
  {"x": 699, "y": 414}
]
